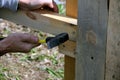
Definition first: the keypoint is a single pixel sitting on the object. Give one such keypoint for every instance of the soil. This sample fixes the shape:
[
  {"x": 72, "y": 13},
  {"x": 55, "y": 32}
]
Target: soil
[{"x": 39, "y": 64}]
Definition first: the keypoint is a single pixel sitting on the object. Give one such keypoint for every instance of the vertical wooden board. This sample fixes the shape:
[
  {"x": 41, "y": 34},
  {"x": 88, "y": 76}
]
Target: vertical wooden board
[
  {"x": 72, "y": 8},
  {"x": 91, "y": 43},
  {"x": 113, "y": 42},
  {"x": 71, "y": 11},
  {"x": 69, "y": 68}
]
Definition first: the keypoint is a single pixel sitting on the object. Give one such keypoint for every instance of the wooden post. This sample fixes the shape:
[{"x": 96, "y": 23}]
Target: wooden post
[
  {"x": 71, "y": 11},
  {"x": 72, "y": 8},
  {"x": 69, "y": 68},
  {"x": 113, "y": 42},
  {"x": 91, "y": 42}
]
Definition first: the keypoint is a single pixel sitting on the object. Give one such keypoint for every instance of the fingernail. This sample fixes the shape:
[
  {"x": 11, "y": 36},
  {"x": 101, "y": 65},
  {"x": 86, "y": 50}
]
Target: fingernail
[{"x": 51, "y": 6}]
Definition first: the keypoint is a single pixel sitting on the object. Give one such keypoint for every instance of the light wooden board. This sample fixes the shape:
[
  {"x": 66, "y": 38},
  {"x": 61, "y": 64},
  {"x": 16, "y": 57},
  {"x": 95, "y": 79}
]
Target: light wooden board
[
  {"x": 113, "y": 42},
  {"x": 91, "y": 43}
]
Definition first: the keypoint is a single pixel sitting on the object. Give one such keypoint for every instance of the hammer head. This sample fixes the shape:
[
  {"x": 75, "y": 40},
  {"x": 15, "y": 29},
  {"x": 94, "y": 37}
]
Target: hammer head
[{"x": 57, "y": 40}]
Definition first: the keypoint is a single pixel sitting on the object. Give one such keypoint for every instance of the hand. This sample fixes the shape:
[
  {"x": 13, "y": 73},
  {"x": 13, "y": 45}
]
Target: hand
[
  {"x": 36, "y": 4},
  {"x": 18, "y": 42}
]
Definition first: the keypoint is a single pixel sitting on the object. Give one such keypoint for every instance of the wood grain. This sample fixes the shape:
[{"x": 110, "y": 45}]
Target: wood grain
[
  {"x": 113, "y": 42},
  {"x": 72, "y": 8},
  {"x": 71, "y": 11},
  {"x": 69, "y": 68},
  {"x": 69, "y": 48},
  {"x": 91, "y": 43}
]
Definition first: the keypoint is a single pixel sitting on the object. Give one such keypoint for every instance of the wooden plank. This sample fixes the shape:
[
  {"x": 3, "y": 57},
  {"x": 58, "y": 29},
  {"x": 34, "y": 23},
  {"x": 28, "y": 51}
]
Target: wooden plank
[
  {"x": 72, "y": 8},
  {"x": 71, "y": 11},
  {"x": 40, "y": 22},
  {"x": 69, "y": 48},
  {"x": 113, "y": 42},
  {"x": 91, "y": 47},
  {"x": 69, "y": 68}
]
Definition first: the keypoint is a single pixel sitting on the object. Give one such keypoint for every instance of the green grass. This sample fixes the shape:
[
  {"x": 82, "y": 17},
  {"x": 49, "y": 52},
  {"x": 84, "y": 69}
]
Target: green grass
[
  {"x": 55, "y": 73},
  {"x": 2, "y": 72},
  {"x": 61, "y": 8}
]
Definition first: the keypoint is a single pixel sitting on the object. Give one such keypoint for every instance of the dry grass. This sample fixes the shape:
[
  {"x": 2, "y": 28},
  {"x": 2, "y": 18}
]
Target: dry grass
[{"x": 39, "y": 64}]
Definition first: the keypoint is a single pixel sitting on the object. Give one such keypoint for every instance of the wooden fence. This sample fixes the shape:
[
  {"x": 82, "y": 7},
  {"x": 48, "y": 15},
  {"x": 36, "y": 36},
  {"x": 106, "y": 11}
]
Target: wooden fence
[{"x": 93, "y": 51}]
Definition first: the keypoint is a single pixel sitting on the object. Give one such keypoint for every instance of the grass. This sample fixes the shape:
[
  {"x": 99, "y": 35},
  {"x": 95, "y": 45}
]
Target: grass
[
  {"x": 5, "y": 75},
  {"x": 61, "y": 9},
  {"x": 2, "y": 72}
]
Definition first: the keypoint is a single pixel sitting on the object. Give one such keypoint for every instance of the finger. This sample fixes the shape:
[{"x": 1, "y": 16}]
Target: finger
[
  {"x": 55, "y": 7},
  {"x": 30, "y": 38},
  {"x": 30, "y": 46},
  {"x": 26, "y": 47},
  {"x": 51, "y": 5}
]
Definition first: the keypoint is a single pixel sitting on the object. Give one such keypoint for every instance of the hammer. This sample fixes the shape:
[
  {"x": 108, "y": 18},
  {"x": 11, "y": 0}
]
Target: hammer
[{"x": 53, "y": 41}]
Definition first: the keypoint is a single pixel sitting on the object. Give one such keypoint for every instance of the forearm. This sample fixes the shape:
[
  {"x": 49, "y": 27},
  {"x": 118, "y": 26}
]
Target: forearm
[
  {"x": 2, "y": 48},
  {"x": 11, "y": 4}
]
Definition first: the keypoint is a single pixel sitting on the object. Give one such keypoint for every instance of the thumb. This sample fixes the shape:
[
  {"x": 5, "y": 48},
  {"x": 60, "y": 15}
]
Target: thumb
[{"x": 51, "y": 5}]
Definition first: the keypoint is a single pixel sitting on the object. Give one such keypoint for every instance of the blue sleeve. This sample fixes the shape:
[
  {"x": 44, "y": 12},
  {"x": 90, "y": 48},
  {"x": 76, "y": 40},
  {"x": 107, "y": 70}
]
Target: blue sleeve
[{"x": 10, "y": 4}]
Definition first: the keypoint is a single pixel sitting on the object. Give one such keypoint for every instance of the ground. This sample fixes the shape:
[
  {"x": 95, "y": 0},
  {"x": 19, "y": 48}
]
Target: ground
[{"x": 39, "y": 64}]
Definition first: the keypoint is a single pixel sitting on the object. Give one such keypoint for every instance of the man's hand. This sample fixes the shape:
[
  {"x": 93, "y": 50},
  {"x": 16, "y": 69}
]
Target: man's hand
[
  {"x": 36, "y": 4},
  {"x": 18, "y": 42}
]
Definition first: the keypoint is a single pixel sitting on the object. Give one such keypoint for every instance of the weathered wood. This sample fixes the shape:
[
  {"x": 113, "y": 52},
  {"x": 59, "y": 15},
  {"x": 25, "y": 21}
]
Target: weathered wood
[
  {"x": 40, "y": 22},
  {"x": 68, "y": 48},
  {"x": 113, "y": 42},
  {"x": 91, "y": 43}
]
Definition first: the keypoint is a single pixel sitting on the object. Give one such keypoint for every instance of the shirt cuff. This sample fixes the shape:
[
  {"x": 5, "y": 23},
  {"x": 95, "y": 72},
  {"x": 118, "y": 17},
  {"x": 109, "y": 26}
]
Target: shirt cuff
[{"x": 10, "y": 4}]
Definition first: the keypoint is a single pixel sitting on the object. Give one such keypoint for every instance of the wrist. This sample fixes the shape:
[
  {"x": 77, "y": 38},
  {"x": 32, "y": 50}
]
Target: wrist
[{"x": 3, "y": 48}]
